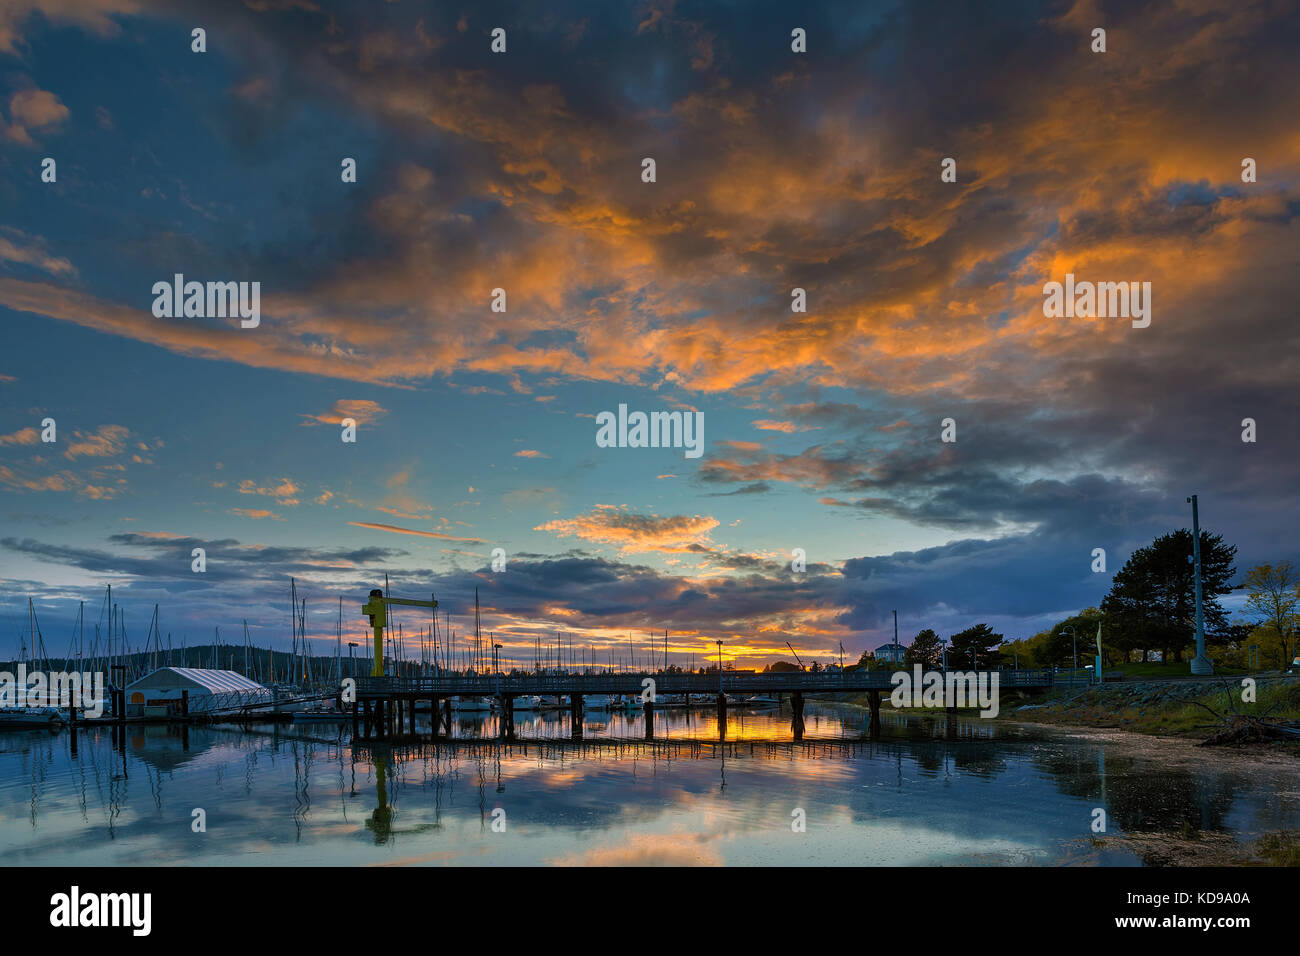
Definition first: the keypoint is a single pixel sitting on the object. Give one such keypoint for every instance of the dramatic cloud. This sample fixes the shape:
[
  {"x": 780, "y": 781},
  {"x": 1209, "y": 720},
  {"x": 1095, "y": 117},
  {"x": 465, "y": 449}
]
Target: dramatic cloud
[
  {"x": 776, "y": 171},
  {"x": 636, "y": 532}
]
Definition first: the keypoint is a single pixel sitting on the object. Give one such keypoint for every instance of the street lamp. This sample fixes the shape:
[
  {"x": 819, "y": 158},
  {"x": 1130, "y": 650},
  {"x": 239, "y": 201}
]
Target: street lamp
[
  {"x": 1075, "y": 640},
  {"x": 719, "y": 643},
  {"x": 496, "y": 663},
  {"x": 352, "y": 661}
]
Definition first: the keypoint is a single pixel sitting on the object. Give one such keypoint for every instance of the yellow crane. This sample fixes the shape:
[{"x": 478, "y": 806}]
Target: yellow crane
[{"x": 377, "y": 610}]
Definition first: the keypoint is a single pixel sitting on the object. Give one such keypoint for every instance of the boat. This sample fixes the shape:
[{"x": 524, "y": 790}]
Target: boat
[
  {"x": 760, "y": 701},
  {"x": 27, "y": 718},
  {"x": 521, "y": 702},
  {"x": 598, "y": 702},
  {"x": 475, "y": 704}
]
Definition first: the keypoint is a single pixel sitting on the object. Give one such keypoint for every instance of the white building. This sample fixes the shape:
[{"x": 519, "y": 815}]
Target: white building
[{"x": 161, "y": 691}]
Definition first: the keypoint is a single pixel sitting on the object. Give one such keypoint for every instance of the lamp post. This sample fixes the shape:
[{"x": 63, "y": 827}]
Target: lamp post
[
  {"x": 719, "y": 643},
  {"x": 496, "y": 664},
  {"x": 1075, "y": 639},
  {"x": 1201, "y": 664},
  {"x": 352, "y": 661}
]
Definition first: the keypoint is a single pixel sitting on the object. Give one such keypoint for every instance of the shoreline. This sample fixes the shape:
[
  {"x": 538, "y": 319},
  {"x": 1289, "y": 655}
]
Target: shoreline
[{"x": 1270, "y": 766}]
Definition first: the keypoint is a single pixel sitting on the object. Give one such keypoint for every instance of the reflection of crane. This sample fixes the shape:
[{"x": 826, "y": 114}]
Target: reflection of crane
[
  {"x": 796, "y": 656},
  {"x": 376, "y": 610}
]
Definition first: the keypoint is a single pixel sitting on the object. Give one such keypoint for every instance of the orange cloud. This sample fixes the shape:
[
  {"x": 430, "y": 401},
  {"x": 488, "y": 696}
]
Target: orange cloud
[
  {"x": 635, "y": 532},
  {"x": 361, "y": 410},
  {"x": 254, "y": 513},
  {"x": 105, "y": 441},
  {"x": 24, "y": 436},
  {"x": 423, "y": 534}
]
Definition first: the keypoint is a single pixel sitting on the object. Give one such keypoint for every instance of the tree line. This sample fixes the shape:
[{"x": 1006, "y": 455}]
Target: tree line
[{"x": 1148, "y": 613}]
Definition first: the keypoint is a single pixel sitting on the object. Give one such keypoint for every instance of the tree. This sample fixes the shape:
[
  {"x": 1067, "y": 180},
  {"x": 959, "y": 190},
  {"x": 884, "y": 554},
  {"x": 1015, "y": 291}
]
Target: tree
[
  {"x": 1030, "y": 651},
  {"x": 1273, "y": 591},
  {"x": 780, "y": 667},
  {"x": 924, "y": 650},
  {"x": 1152, "y": 604},
  {"x": 1062, "y": 642},
  {"x": 982, "y": 641}
]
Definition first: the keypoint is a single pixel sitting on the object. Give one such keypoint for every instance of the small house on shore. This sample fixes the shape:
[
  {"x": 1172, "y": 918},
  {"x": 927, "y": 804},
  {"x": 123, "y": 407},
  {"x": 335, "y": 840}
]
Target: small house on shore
[{"x": 892, "y": 653}]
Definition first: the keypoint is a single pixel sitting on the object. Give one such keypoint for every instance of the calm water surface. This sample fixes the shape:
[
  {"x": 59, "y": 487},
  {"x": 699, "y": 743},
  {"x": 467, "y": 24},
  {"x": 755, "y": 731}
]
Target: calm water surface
[{"x": 306, "y": 795}]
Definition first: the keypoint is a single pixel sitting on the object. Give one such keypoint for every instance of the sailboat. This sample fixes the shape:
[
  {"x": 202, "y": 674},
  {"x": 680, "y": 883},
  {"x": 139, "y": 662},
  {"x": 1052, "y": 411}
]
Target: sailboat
[{"x": 475, "y": 704}]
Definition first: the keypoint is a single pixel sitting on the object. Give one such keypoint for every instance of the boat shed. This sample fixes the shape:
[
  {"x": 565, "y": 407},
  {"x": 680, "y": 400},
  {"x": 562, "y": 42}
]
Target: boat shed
[{"x": 160, "y": 693}]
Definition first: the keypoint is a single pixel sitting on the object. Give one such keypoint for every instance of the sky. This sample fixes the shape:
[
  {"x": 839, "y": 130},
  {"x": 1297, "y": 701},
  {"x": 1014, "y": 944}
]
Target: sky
[{"x": 523, "y": 171}]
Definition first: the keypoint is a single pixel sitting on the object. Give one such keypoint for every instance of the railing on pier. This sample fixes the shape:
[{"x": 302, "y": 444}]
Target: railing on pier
[{"x": 490, "y": 685}]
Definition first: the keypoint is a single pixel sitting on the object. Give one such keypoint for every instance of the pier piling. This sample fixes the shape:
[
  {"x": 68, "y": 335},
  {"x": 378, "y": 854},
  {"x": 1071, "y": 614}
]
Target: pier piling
[{"x": 575, "y": 716}]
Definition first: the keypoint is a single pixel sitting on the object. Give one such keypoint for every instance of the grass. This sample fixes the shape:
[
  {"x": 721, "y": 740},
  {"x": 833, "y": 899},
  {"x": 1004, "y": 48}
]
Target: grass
[
  {"x": 1278, "y": 849},
  {"x": 1166, "y": 718},
  {"x": 1151, "y": 670}
]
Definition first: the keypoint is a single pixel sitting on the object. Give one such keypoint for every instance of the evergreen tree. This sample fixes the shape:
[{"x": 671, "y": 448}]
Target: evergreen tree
[
  {"x": 1152, "y": 600},
  {"x": 976, "y": 646},
  {"x": 924, "y": 650}
]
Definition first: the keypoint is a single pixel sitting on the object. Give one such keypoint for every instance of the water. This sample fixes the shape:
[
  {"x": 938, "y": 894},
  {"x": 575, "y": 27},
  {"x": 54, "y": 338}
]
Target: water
[{"x": 304, "y": 795}]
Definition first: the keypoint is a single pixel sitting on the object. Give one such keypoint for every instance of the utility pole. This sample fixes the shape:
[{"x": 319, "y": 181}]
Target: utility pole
[{"x": 1201, "y": 664}]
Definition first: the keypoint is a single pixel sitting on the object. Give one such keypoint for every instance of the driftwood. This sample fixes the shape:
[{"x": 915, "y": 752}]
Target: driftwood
[{"x": 1237, "y": 728}]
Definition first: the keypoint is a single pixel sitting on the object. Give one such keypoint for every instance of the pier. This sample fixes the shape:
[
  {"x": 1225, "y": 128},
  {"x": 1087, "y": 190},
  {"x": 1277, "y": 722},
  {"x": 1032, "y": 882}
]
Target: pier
[{"x": 385, "y": 706}]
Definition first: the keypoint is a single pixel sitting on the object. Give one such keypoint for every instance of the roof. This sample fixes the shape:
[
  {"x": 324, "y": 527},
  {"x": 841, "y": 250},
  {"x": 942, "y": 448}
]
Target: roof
[
  {"x": 213, "y": 681},
  {"x": 885, "y": 647}
]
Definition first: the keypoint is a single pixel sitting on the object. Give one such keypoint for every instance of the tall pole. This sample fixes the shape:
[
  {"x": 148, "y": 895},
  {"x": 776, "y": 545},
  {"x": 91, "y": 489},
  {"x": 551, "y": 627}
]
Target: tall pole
[
  {"x": 1075, "y": 641},
  {"x": 1201, "y": 664}
]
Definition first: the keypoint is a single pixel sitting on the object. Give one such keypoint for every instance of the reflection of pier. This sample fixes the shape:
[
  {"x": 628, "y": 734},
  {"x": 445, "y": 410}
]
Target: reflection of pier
[
  {"x": 414, "y": 747},
  {"x": 385, "y": 706}
]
